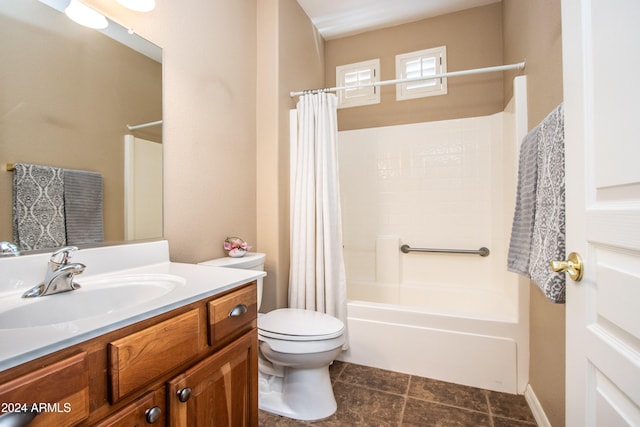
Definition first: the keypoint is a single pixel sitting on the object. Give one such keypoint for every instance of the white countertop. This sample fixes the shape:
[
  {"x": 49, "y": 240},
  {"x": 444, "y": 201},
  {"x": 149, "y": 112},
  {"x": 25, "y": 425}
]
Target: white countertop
[{"x": 18, "y": 274}]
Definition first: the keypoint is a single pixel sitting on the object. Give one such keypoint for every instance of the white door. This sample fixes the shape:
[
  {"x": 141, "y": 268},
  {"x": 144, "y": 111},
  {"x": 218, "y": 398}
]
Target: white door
[
  {"x": 601, "y": 61},
  {"x": 142, "y": 188}
]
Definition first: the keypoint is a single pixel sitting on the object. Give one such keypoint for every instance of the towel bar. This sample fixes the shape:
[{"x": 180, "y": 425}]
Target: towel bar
[{"x": 482, "y": 251}]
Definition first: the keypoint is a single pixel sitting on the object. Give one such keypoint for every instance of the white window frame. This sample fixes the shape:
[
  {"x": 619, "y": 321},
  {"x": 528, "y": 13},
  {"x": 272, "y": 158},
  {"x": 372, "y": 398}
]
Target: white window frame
[
  {"x": 355, "y": 74},
  {"x": 421, "y": 63}
]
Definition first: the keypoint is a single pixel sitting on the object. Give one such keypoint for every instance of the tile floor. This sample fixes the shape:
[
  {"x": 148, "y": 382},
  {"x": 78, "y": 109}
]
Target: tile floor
[{"x": 374, "y": 397}]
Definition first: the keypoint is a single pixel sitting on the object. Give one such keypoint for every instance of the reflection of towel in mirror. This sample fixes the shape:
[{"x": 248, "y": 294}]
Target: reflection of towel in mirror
[
  {"x": 538, "y": 234},
  {"x": 83, "y": 206},
  {"x": 38, "y": 207}
]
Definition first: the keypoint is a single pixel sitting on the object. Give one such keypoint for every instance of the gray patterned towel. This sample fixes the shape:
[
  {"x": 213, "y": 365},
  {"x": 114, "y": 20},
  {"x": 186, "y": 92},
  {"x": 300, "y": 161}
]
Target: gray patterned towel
[
  {"x": 522, "y": 228},
  {"x": 548, "y": 241},
  {"x": 38, "y": 207},
  {"x": 83, "y": 206},
  {"x": 538, "y": 233}
]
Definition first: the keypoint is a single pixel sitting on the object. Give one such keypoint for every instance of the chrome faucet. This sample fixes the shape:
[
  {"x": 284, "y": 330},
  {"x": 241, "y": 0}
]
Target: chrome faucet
[{"x": 60, "y": 274}]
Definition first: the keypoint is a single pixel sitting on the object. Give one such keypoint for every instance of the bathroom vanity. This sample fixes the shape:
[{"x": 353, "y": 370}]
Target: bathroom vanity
[{"x": 186, "y": 357}]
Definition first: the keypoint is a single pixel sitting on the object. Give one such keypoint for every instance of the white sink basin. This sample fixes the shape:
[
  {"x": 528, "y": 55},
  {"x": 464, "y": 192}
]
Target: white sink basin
[{"x": 96, "y": 297}]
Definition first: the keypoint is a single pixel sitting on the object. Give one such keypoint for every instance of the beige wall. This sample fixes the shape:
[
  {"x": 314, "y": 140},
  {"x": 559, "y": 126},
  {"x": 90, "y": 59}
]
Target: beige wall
[
  {"x": 290, "y": 56},
  {"x": 473, "y": 39},
  {"x": 209, "y": 119},
  {"x": 67, "y": 94},
  {"x": 532, "y": 30}
]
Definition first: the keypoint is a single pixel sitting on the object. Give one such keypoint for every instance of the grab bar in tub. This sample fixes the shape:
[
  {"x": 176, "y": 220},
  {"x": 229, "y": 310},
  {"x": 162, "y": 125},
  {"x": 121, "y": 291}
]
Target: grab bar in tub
[{"x": 482, "y": 251}]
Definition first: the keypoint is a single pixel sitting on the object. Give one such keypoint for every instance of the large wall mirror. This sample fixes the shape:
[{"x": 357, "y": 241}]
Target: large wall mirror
[{"x": 67, "y": 96}]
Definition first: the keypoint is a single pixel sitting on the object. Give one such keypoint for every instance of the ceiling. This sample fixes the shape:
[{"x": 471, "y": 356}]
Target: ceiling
[{"x": 340, "y": 18}]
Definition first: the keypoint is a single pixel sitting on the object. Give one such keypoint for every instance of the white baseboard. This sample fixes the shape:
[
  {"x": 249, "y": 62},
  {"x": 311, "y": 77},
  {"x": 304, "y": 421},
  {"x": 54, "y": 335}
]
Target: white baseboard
[{"x": 536, "y": 408}]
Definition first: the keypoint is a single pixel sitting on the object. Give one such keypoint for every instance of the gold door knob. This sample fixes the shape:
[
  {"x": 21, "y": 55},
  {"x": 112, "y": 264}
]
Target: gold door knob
[{"x": 573, "y": 265}]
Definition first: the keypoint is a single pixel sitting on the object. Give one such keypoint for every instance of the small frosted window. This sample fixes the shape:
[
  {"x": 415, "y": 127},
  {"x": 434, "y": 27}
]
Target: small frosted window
[
  {"x": 357, "y": 75},
  {"x": 415, "y": 65}
]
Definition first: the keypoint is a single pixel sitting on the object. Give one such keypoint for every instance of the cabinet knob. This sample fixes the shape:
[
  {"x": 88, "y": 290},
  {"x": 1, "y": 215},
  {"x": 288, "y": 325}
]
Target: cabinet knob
[
  {"x": 184, "y": 394},
  {"x": 153, "y": 414}
]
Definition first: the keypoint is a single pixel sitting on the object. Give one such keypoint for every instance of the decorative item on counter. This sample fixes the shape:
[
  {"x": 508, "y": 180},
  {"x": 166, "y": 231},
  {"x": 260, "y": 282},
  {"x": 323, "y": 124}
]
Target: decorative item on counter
[{"x": 236, "y": 247}]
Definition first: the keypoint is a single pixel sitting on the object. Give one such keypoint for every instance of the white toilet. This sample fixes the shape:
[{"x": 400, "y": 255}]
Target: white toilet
[{"x": 296, "y": 348}]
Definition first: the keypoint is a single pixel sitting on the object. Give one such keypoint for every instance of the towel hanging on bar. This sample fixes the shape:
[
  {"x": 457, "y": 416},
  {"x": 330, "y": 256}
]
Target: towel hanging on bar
[
  {"x": 83, "y": 207},
  {"x": 38, "y": 207},
  {"x": 53, "y": 207},
  {"x": 525, "y": 211},
  {"x": 538, "y": 233}
]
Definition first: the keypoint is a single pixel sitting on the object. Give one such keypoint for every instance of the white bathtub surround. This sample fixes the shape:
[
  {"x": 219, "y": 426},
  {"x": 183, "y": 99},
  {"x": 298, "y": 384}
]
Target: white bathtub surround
[
  {"x": 387, "y": 259},
  {"x": 317, "y": 278},
  {"x": 432, "y": 185},
  {"x": 451, "y": 184}
]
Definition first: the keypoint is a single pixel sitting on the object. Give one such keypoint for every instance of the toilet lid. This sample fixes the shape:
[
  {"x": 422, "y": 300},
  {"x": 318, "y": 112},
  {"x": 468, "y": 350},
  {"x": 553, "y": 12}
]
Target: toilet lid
[{"x": 299, "y": 325}]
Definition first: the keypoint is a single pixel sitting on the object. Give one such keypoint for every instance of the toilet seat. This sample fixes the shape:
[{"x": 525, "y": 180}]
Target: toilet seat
[{"x": 292, "y": 324}]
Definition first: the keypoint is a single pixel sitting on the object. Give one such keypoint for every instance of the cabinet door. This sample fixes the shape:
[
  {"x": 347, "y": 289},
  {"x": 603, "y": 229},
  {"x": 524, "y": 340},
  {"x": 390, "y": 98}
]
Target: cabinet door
[
  {"x": 58, "y": 392},
  {"x": 222, "y": 390},
  {"x": 146, "y": 411}
]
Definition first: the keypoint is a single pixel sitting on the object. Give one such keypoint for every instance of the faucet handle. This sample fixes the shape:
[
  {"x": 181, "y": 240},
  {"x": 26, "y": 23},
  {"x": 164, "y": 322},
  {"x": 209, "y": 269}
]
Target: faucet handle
[
  {"x": 61, "y": 256},
  {"x": 8, "y": 249}
]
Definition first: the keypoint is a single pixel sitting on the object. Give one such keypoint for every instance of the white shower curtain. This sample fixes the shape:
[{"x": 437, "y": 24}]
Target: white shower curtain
[{"x": 317, "y": 279}]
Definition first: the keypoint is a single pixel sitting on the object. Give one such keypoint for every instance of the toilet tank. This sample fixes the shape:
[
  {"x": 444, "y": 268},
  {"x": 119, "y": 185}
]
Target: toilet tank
[{"x": 250, "y": 261}]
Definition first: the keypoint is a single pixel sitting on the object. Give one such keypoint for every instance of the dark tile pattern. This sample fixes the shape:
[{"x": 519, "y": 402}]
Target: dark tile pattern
[
  {"x": 449, "y": 394},
  {"x": 371, "y": 397},
  {"x": 509, "y": 406},
  {"x": 378, "y": 379},
  {"x": 420, "y": 413}
]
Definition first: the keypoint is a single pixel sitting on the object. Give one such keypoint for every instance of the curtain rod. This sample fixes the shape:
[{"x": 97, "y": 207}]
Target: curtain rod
[
  {"x": 144, "y": 125},
  {"x": 518, "y": 66}
]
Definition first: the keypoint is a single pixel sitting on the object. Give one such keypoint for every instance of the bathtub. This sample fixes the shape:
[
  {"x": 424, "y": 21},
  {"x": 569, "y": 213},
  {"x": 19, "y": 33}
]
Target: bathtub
[
  {"x": 447, "y": 184},
  {"x": 452, "y": 335}
]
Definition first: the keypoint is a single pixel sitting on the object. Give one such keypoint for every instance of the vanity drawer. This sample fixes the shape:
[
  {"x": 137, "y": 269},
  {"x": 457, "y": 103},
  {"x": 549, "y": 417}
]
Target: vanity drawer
[
  {"x": 139, "y": 358},
  {"x": 232, "y": 313},
  {"x": 62, "y": 391},
  {"x": 147, "y": 410}
]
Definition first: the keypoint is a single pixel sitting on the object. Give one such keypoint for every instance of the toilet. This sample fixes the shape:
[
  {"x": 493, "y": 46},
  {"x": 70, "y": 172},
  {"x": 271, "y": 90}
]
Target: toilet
[{"x": 296, "y": 348}]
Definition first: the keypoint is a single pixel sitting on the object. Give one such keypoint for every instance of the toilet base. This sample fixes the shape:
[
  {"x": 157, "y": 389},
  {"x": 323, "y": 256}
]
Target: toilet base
[{"x": 302, "y": 394}]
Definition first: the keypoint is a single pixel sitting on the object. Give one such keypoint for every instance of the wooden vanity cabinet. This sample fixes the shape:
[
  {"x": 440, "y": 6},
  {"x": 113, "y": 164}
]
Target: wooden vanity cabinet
[{"x": 138, "y": 375}]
